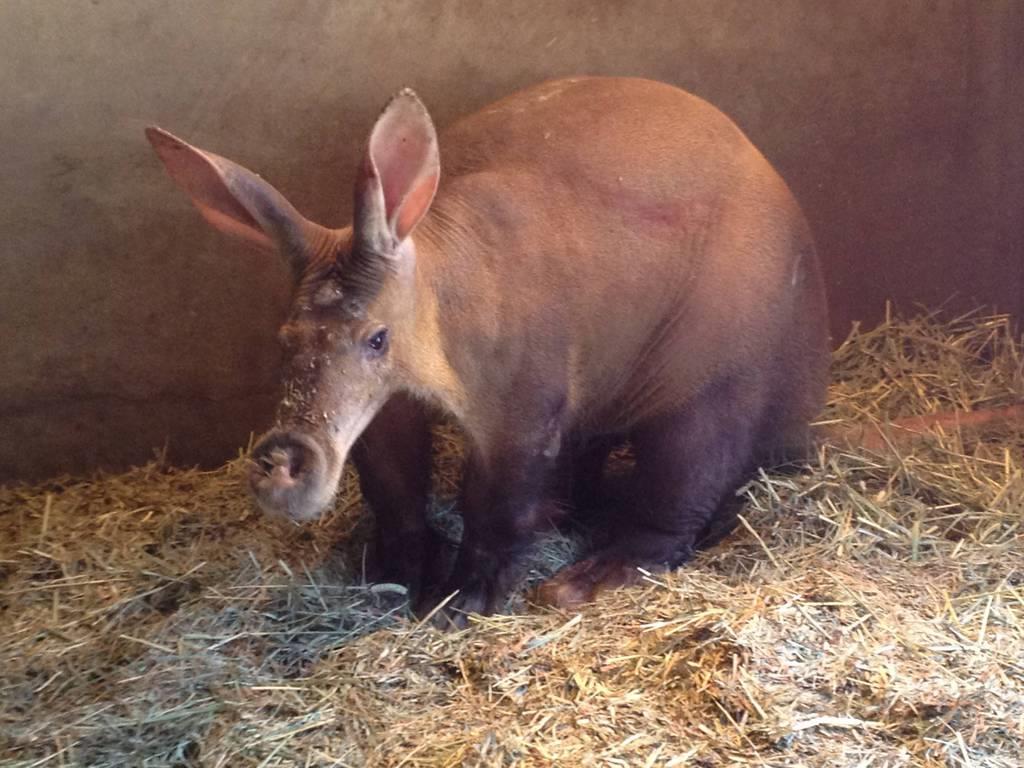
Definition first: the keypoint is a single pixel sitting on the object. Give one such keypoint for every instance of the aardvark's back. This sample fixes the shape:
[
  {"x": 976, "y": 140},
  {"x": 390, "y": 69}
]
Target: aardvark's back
[{"x": 625, "y": 236}]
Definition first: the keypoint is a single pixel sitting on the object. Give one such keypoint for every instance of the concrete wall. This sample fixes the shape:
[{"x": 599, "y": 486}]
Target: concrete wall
[{"x": 125, "y": 323}]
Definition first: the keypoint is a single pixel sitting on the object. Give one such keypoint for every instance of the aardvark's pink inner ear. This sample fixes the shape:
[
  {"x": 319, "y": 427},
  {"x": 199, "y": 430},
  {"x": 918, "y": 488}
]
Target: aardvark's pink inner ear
[
  {"x": 403, "y": 154},
  {"x": 198, "y": 174},
  {"x": 232, "y": 199}
]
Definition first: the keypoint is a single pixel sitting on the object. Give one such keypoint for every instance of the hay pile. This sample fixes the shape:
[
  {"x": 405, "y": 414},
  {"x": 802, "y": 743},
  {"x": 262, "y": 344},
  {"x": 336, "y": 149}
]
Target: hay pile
[{"x": 869, "y": 612}]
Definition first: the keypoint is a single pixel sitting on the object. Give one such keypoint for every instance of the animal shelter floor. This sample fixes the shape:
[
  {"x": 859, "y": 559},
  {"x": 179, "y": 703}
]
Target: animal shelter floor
[{"x": 869, "y": 609}]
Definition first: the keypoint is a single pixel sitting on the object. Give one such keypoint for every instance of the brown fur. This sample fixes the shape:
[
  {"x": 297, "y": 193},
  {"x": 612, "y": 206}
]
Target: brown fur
[{"x": 604, "y": 259}]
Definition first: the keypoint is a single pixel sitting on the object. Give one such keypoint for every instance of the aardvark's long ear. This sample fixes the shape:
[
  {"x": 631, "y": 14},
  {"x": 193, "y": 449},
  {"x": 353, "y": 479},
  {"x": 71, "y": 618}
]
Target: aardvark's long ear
[
  {"x": 236, "y": 200},
  {"x": 398, "y": 176}
]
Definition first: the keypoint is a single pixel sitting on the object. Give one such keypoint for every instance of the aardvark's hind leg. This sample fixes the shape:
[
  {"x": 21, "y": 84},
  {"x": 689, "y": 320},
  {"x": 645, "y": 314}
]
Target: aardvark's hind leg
[{"x": 687, "y": 464}]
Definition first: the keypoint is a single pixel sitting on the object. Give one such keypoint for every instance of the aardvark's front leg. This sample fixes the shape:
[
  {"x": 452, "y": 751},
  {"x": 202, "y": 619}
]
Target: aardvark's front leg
[{"x": 504, "y": 503}]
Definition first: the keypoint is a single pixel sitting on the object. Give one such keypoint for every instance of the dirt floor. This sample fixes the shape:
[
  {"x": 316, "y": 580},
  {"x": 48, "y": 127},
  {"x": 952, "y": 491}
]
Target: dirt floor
[{"x": 869, "y": 611}]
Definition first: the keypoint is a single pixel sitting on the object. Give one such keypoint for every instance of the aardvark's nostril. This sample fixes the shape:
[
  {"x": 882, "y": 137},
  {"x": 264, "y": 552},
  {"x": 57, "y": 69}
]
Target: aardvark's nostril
[{"x": 283, "y": 462}]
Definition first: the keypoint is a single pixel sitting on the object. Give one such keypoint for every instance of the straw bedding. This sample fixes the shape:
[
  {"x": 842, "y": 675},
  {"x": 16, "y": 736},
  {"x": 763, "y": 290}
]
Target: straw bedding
[{"x": 868, "y": 611}]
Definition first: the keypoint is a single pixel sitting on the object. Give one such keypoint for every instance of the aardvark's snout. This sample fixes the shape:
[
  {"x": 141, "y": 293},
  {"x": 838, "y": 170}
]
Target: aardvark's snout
[{"x": 291, "y": 475}]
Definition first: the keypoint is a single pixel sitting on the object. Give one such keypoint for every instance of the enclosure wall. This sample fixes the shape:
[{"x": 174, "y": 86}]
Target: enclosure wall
[{"x": 126, "y": 324}]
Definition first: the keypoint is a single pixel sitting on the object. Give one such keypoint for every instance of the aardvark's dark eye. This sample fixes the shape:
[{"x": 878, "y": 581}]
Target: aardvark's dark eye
[{"x": 378, "y": 342}]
